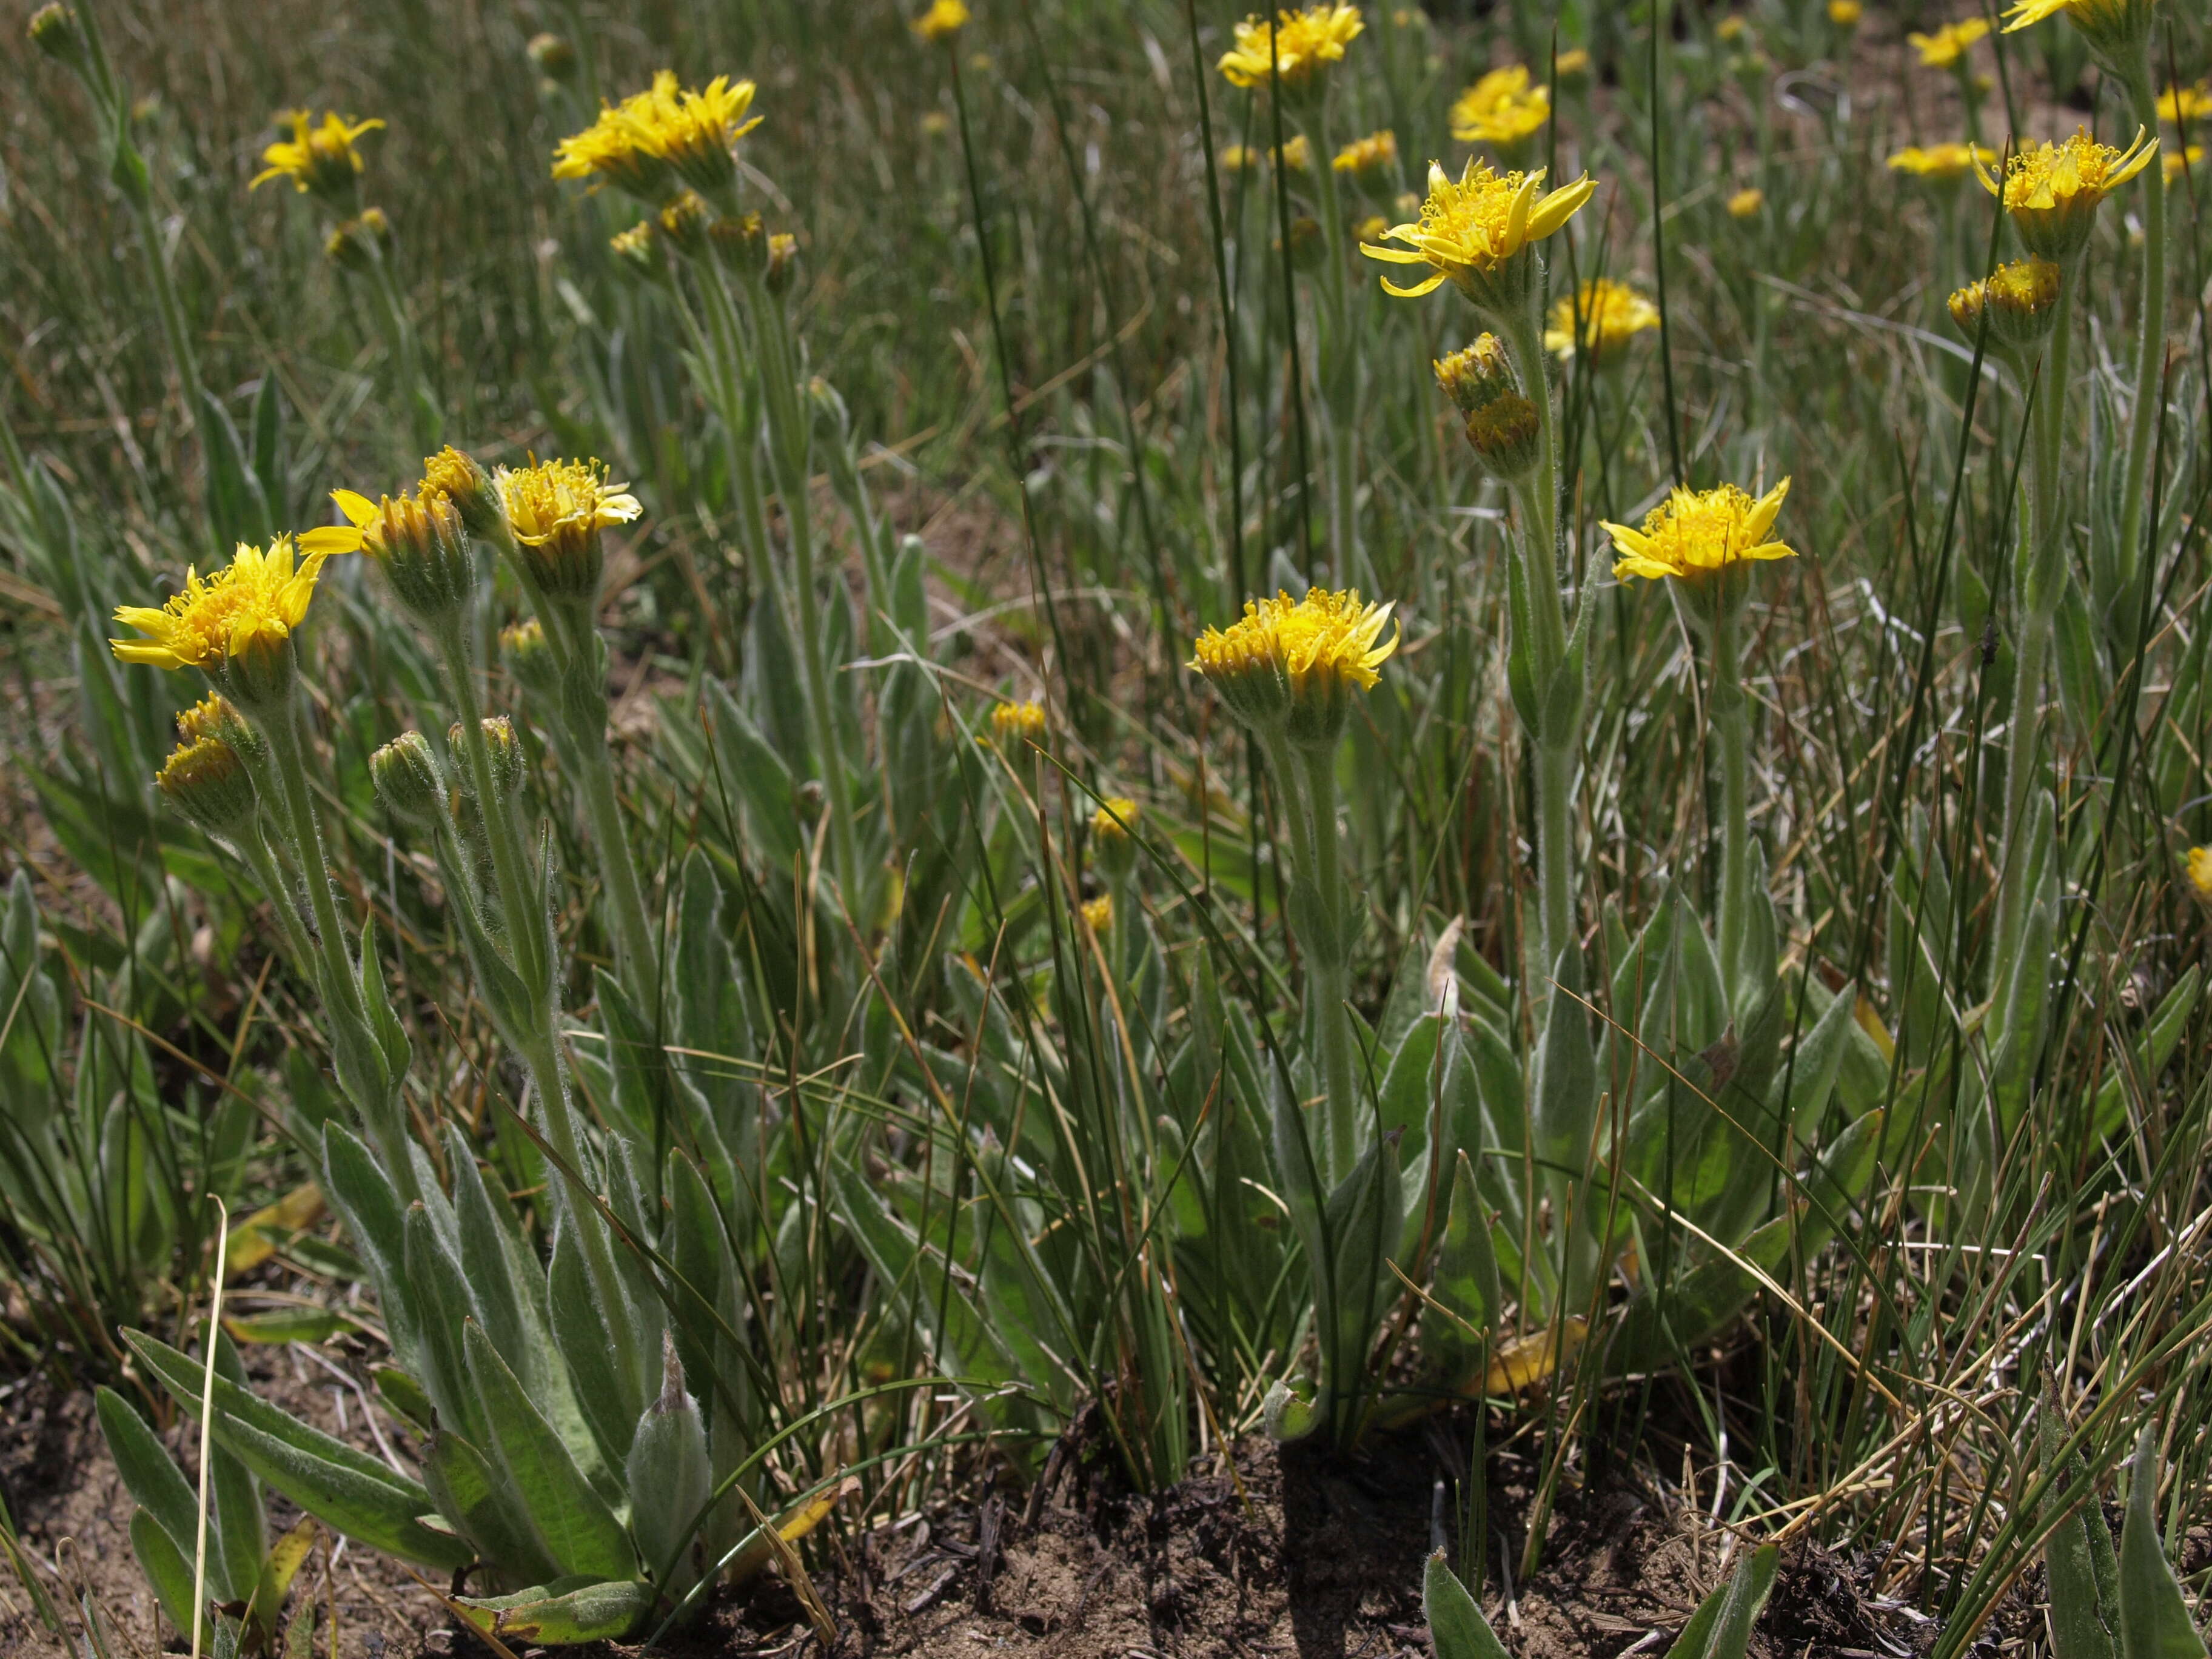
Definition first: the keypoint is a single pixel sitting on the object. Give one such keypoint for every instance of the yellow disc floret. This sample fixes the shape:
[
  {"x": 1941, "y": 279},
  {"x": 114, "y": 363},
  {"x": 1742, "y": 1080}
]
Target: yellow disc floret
[
  {"x": 1291, "y": 664},
  {"x": 1294, "y": 48},
  {"x": 1696, "y": 530},
  {"x": 1600, "y": 318},
  {"x": 1473, "y": 230}
]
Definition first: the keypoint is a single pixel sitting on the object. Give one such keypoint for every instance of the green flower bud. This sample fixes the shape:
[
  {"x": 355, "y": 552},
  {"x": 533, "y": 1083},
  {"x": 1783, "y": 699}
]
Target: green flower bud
[{"x": 407, "y": 779}]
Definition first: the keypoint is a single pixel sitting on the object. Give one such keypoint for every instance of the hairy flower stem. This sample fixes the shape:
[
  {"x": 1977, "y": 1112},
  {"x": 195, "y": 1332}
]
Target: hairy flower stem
[
  {"x": 788, "y": 436},
  {"x": 1337, "y": 360},
  {"x": 1730, "y": 725},
  {"x": 2040, "y": 580},
  {"x": 595, "y": 782},
  {"x": 1328, "y": 958},
  {"x": 740, "y": 412},
  {"x": 2150, "y": 343}
]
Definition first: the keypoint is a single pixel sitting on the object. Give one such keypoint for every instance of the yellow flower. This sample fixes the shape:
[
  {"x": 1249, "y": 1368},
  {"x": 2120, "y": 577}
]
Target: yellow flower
[
  {"x": 1098, "y": 913},
  {"x": 1297, "y": 154},
  {"x": 2179, "y": 103},
  {"x": 1115, "y": 819},
  {"x": 1502, "y": 110},
  {"x": 1572, "y": 69},
  {"x": 1845, "y": 13},
  {"x": 2188, "y": 160},
  {"x": 2022, "y": 299},
  {"x": 2051, "y": 191},
  {"x": 1694, "y": 531},
  {"x": 2111, "y": 26},
  {"x": 1297, "y": 660},
  {"x": 318, "y": 158},
  {"x": 1240, "y": 158},
  {"x": 459, "y": 478},
  {"x": 1944, "y": 48},
  {"x": 1746, "y": 204},
  {"x": 556, "y": 511},
  {"x": 1471, "y": 231},
  {"x": 1024, "y": 719},
  {"x": 944, "y": 20},
  {"x": 666, "y": 132},
  {"x": 417, "y": 540},
  {"x": 2200, "y": 872},
  {"x": 1603, "y": 317},
  {"x": 1295, "y": 47},
  {"x": 1376, "y": 149},
  {"x": 1940, "y": 162},
  {"x": 235, "y": 626},
  {"x": 1730, "y": 28}
]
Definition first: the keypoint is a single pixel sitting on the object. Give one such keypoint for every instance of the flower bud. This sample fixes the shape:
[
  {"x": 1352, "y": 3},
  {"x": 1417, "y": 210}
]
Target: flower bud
[
  {"x": 782, "y": 264},
  {"x": 684, "y": 222},
  {"x": 829, "y": 410},
  {"x": 55, "y": 31},
  {"x": 1112, "y": 837},
  {"x": 1098, "y": 913},
  {"x": 1507, "y": 435},
  {"x": 529, "y": 656},
  {"x": 458, "y": 479},
  {"x": 1476, "y": 374},
  {"x": 552, "y": 57},
  {"x": 503, "y": 750},
  {"x": 207, "y": 782},
  {"x": 361, "y": 243},
  {"x": 423, "y": 547},
  {"x": 2020, "y": 299},
  {"x": 1018, "y": 721},
  {"x": 741, "y": 244},
  {"x": 637, "y": 250},
  {"x": 407, "y": 779}
]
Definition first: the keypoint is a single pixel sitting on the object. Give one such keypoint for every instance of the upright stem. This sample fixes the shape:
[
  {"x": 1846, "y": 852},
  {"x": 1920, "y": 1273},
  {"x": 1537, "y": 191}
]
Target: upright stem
[
  {"x": 1555, "y": 851},
  {"x": 633, "y": 933},
  {"x": 2150, "y": 338},
  {"x": 519, "y": 895},
  {"x": 787, "y": 445},
  {"x": 1327, "y": 960},
  {"x": 741, "y": 419},
  {"x": 1729, "y": 718}
]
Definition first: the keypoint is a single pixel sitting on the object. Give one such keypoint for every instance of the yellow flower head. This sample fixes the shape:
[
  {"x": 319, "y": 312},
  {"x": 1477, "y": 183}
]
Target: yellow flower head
[
  {"x": 2191, "y": 104},
  {"x": 1502, "y": 110},
  {"x": 1018, "y": 720},
  {"x": 1695, "y": 530},
  {"x": 1474, "y": 230},
  {"x": 2112, "y": 27},
  {"x": 318, "y": 158},
  {"x": 1746, "y": 203},
  {"x": 2020, "y": 299},
  {"x": 944, "y": 20},
  {"x": 2051, "y": 191},
  {"x": 668, "y": 132},
  {"x": 1239, "y": 158},
  {"x": 462, "y": 480},
  {"x": 1572, "y": 69},
  {"x": 1942, "y": 163},
  {"x": 1601, "y": 316},
  {"x": 1945, "y": 47},
  {"x": 1291, "y": 664},
  {"x": 419, "y": 540},
  {"x": 205, "y": 779},
  {"x": 1115, "y": 818},
  {"x": 1098, "y": 913},
  {"x": 1297, "y": 154},
  {"x": 235, "y": 626},
  {"x": 1295, "y": 47},
  {"x": 556, "y": 511},
  {"x": 2200, "y": 873},
  {"x": 1730, "y": 28},
  {"x": 1376, "y": 149},
  {"x": 1476, "y": 374},
  {"x": 1845, "y": 13},
  {"x": 2187, "y": 161}
]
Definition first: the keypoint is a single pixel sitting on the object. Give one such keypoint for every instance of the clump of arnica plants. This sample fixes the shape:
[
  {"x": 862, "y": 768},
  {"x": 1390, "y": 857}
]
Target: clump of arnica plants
[{"x": 775, "y": 774}]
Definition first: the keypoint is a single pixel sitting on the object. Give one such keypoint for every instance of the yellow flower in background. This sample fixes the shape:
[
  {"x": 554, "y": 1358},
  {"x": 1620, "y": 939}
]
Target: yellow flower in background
[
  {"x": 2200, "y": 872},
  {"x": 1572, "y": 69},
  {"x": 1695, "y": 530},
  {"x": 1730, "y": 28},
  {"x": 1942, "y": 162},
  {"x": 1098, "y": 913},
  {"x": 1502, "y": 110},
  {"x": 944, "y": 20},
  {"x": 1020, "y": 719},
  {"x": 1364, "y": 154},
  {"x": 235, "y": 626},
  {"x": 1944, "y": 48},
  {"x": 321, "y": 159},
  {"x": 652, "y": 138},
  {"x": 1115, "y": 819},
  {"x": 1240, "y": 158},
  {"x": 697, "y": 132},
  {"x": 2179, "y": 103},
  {"x": 612, "y": 150},
  {"x": 2188, "y": 160},
  {"x": 556, "y": 511},
  {"x": 1746, "y": 204},
  {"x": 1845, "y": 13},
  {"x": 2051, "y": 191},
  {"x": 1297, "y": 153},
  {"x": 1471, "y": 227},
  {"x": 1297, "y": 660},
  {"x": 1295, "y": 47},
  {"x": 1601, "y": 316}
]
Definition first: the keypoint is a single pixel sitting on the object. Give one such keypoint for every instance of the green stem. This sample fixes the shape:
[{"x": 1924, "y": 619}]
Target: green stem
[
  {"x": 2150, "y": 344},
  {"x": 1328, "y": 959},
  {"x": 520, "y": 897},
  {"x": 1555, "y": 850},
  {"x": 1729, "y": 718},
  {"x": 788, "y": 447},
  {"x": 165, "y": 305},
  {"x": 1539, "y": 496},
  {"x": 254, "y": 844},
  {"x": 632, "y": 934},
  {"x": 549, "y": 1077},
  {"x": 741, "y": 420}
]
